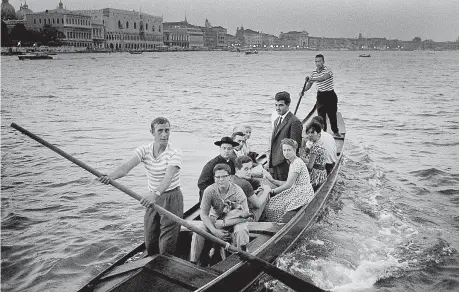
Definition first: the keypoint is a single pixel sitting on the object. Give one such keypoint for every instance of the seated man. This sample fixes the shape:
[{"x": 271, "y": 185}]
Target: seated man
[
  {"x": 218, "y": 199},
  {"x": 243, "y": 178},
  {"x": 329, "y": 145},
  {"x": 226, "y": 156},
  {"x": 241, "y": 149}
]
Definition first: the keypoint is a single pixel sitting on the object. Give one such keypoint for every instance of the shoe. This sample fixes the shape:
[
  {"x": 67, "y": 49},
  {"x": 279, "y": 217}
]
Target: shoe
[{"x": 337, "y": 135}]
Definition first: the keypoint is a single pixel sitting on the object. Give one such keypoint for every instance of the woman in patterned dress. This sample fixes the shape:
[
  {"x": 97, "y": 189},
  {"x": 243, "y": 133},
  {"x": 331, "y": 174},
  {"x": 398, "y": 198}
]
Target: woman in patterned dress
[
  {"x": 314, "y": 156},
  {"x": 291, "y": 194}
]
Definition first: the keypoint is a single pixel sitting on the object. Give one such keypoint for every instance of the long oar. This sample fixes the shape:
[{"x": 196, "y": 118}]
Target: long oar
[
  {"x": 310, "y": 113},
  {"x": 301, "y": 95},
  {"x": 288, "y": 279}
]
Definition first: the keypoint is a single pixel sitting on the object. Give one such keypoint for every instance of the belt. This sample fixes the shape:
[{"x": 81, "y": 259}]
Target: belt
[
  {"x": 168, "y": 191},
  {"x": 319, "y": 166}
]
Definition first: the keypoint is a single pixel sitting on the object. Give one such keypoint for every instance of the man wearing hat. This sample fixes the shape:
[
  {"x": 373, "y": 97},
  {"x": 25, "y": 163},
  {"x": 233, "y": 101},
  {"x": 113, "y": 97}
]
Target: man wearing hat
[{"x": 226, "y": 156}]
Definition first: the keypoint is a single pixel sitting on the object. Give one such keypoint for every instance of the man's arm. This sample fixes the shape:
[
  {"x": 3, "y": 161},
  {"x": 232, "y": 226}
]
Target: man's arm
[
  {"x": 325, "y": 76},
  {"x": 205, "y": 208},
  {"x": 258, "y": 200},
  {"x": 121, "y": 170},
  {"x": 162, "y": 187}
]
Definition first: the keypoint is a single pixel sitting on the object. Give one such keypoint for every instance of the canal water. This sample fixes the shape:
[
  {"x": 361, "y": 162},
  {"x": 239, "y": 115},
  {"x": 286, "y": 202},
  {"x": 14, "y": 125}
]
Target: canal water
[{"x": 391, "y": 223}]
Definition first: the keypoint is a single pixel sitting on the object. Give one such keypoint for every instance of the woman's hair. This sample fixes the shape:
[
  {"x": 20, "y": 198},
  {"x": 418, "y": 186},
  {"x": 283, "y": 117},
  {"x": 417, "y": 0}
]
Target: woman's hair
[
  {"x": 290, "y": 142},
  {"x": 315, "y": 126}
]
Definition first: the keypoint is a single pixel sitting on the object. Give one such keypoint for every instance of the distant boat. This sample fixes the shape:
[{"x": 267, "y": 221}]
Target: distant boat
[
  {"x": 35, "y": 56},
  {"x": 251, "y": 52},
  {"x": 365, "y": 55}
]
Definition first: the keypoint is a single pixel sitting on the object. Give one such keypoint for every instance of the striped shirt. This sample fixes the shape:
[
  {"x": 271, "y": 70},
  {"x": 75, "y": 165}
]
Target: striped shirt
[
  {"x": 326, "y": 85},
  {"x": 156, "y": 167}
]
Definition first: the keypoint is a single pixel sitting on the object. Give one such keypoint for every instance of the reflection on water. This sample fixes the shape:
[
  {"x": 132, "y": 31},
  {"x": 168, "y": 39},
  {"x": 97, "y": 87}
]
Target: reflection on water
[{"x": 392, "y": 217}]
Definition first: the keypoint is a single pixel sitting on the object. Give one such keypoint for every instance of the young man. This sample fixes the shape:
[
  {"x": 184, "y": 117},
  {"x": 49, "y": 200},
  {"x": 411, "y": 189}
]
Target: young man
[
  {"x": 215, "y": 201},
  {"x": 226, "y": 156},
  {"x": 239, "y": 137},
  {"x": 162, "y": 163},
  {"x": 286, "y": 125},
  {"x": 327, "y": 100},
  {"x": 256, "y": 194}
]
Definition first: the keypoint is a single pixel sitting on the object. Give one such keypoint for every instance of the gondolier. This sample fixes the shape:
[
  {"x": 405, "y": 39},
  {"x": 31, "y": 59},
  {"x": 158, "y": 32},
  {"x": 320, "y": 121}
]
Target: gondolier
[
  {"x": 327, "y": 100},
  {"x": 163, "y": 164}
]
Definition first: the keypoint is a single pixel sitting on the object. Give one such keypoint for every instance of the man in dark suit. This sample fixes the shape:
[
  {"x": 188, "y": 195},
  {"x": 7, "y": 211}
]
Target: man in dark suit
[{"x": 286, "y": 125}]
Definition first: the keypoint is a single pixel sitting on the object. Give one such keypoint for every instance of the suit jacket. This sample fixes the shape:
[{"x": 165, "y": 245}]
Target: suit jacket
[{"x": 290, "y": 127}]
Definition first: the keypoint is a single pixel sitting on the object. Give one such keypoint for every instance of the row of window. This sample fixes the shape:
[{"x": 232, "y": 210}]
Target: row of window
[
  {"x": 75, "y": 21},
  {"x": 79, "y": 35},
  {"x": 135, "y": 26}
]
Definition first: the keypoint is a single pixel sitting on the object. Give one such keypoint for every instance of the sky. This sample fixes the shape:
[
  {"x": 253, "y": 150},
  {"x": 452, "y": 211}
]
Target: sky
[{"x": 437, "y": 20}]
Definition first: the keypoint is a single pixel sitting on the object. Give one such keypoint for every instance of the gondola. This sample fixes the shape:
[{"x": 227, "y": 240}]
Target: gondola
[{"x": 137, "y": 271}]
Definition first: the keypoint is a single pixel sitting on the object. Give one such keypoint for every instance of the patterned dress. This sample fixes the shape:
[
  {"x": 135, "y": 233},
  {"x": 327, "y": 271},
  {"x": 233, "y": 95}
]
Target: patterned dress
[
  {"x": 299, "y": 194},
  {"x": 318, "y": 176}
]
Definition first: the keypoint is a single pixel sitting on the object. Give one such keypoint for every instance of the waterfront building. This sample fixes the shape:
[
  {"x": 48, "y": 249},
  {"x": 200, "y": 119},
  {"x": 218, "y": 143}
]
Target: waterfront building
[
  {"x": 182, "y": 35},
  {"x": 75, "y": 27},
  {"x": 127, "y": 30},
  {"x": 295, "y": 39},
  {"x": 215, "y": 37},
  {"x": 249, "y": 38},
  {"x": 23, "y": 11}
]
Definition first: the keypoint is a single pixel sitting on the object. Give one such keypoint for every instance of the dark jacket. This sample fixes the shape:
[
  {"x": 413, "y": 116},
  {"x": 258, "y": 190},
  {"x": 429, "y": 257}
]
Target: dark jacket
[{"x": 292, "y": 128}]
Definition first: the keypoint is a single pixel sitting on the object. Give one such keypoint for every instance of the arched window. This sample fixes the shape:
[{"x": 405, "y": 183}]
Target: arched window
[
  {"x": 159, "y": 28},
  {"x": 62, "y": 21},
  {"x": 34, "y": 21},
  {"x": 58, "y": 21},
  {"x": 146, "y": 26},
  {"x": 127, "y": 24},
  {"x": 119, "y": 24},
  {"x": 135, "y": 25}
]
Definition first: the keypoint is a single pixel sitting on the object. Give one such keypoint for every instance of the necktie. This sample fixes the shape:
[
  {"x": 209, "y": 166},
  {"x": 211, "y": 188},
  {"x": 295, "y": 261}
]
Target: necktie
[{"x": 280, "y": 122}]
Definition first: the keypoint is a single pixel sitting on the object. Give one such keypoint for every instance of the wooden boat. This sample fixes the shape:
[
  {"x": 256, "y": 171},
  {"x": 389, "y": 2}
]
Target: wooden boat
[
  {"x": 365, "y": 55},
  {"x": 251, "y": 52},
  {"x": 35, "y": 56},
  {"x": 268, "y": 241}
]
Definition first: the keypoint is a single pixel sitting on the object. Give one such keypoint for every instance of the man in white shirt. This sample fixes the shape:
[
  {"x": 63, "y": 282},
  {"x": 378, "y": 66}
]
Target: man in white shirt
[{"x": 329, "y": 145}]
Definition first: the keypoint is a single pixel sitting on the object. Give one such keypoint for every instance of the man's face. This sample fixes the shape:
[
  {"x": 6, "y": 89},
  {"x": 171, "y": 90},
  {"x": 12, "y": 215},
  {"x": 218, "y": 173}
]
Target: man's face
[
  {"x": 226, "y": 150},
  {"x": 222, "y": 178},
  {"x": 161, "y": 133},
  {"x": 319, "y": 63},
  {"x": 239, "y": 139},
  {"x": 245, "y": 171},
  {"x": 281, "y": 107}
]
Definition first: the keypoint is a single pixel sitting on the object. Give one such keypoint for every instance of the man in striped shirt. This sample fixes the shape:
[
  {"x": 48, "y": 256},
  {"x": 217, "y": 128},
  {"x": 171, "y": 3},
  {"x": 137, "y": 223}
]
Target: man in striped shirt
[
  {"x": 162, "y": 164},
  {"x": 327, "y": 101}
]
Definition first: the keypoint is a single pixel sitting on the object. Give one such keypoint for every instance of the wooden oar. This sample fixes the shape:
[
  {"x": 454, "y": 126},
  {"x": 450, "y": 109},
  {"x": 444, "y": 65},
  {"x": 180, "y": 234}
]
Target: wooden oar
[
  {"x": 288, "y": 279},
  {"x": 310, "y": 113},
  {"x": 301, "y": 95}
]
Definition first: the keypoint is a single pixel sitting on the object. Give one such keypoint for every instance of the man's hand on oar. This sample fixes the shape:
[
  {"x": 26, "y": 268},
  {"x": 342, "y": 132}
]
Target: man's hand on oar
[
  {"x": 105, "y": 179},
  {"x": 149, "y": 201}
]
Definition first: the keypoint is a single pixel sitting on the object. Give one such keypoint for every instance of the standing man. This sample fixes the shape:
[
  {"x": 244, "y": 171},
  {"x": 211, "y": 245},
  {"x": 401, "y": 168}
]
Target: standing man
[
  {"x": 162, "y": 164},
  {"x": 226, "y": 156},
  {"x": 286, "y": 125},
  {"x": 327, "y": 101}
]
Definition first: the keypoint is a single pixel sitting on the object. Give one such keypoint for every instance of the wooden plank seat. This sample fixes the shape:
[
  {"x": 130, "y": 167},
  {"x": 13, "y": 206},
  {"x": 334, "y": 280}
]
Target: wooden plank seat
[{"x": 172, "y": 272}]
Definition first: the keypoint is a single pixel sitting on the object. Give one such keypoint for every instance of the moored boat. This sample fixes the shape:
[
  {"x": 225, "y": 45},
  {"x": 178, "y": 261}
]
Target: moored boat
[
  {"x": 365, "y": 55},
  {"x": 268, "y": 240},
  {"x": 35, "y": 56},
  {"x": 251, "y": 52}
]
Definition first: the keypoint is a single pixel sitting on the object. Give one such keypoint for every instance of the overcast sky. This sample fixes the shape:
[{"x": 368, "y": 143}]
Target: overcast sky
[{"x": 394, "y": 19}]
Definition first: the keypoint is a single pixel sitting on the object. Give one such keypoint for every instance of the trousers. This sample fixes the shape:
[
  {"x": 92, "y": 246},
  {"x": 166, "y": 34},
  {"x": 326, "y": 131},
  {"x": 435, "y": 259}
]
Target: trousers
[
  {"x": 327, "y": 105},
  {"x": 161, "y": 233}
]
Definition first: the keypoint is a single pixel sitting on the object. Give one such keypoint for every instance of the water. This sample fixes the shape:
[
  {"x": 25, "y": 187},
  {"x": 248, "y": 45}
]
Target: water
[{"x": 391, "y": 224}]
